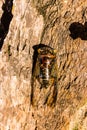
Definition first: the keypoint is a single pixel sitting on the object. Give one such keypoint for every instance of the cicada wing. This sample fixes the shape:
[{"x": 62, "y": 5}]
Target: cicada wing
[{"x": 51, "y": 94}]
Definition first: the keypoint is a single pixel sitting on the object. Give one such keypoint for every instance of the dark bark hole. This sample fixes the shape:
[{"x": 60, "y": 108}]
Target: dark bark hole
[
  {"x": 5, "y": 20},
  {"x": 78, "y": 30}
]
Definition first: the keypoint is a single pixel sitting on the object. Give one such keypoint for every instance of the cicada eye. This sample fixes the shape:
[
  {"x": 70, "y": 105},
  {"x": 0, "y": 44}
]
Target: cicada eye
[
  {"x": 55, "y": 51},
  {"x": 39, "y": 50}
]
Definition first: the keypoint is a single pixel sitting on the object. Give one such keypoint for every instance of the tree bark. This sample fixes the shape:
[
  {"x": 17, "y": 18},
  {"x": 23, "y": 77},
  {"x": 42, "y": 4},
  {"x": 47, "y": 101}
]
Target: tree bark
[{"x": 60, "y": 24}]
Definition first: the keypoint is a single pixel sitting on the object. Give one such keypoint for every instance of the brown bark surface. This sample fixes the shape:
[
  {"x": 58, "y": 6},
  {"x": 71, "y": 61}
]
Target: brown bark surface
[{"x": 60, "y": 24}]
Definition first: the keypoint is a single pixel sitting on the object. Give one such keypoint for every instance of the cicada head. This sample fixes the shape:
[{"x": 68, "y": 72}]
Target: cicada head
[{"x": 47, "y": 51}]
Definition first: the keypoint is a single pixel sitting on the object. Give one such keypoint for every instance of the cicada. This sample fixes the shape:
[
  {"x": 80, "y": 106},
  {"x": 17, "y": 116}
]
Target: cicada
[{"x": 44, "y": 77}]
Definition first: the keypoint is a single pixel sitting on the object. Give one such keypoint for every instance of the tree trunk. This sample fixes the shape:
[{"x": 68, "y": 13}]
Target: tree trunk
[{"x": 59, "y": 24}]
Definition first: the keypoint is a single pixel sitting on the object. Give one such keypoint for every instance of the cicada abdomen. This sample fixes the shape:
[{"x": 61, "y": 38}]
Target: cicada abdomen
[{"x": 45, "y": 72}]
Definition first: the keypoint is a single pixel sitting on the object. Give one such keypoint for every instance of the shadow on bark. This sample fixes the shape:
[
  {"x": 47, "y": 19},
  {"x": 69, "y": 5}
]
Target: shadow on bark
[
  {"x": 78, "y": 30},
  {"x": 5, "y": 20}
]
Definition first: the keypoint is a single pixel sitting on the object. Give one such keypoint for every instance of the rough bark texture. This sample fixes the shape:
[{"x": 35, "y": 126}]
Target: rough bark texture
[{"x": 60, "y": 24}]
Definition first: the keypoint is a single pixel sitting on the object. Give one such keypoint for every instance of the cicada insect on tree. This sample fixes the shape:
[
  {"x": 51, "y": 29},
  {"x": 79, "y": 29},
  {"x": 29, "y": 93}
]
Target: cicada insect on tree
[{"x": 44, "y": 76}]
